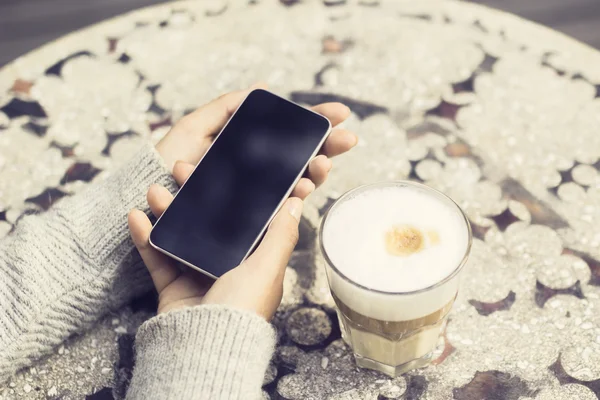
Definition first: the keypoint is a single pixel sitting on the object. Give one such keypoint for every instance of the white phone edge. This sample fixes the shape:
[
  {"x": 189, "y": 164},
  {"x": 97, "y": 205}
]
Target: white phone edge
[{"x": 284, "y": 198}]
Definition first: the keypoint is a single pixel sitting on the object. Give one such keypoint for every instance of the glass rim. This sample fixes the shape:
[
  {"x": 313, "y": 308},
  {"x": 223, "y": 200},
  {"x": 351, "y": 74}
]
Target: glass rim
[{"x": 436, "y": 192}]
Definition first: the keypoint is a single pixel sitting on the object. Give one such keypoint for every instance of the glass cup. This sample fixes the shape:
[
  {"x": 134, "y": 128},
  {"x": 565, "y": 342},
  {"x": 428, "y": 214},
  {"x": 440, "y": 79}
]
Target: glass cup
[{"x": 392, "y": 332}]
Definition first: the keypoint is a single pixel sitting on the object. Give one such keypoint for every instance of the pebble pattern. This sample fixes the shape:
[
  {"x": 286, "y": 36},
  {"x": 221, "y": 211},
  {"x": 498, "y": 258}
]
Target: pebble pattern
[
  {"x": 499, "y": 113},
  {"x": 308, "y": 326}
]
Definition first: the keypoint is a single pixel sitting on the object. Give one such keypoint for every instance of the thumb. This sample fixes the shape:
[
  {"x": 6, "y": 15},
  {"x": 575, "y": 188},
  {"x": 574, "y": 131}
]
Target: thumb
[{"x": 278, "y": 244}]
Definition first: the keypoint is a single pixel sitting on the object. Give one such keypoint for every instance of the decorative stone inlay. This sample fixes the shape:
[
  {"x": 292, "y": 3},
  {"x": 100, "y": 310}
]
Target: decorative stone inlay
[{"x": 499, "y": 113}]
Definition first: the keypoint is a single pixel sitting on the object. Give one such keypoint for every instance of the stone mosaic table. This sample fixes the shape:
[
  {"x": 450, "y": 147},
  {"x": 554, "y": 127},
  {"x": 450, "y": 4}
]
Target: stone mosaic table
[{"x": 500, "y": 113}]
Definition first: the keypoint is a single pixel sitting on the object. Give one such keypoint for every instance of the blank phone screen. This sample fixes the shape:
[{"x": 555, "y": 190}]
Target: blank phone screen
[{"x": 224, "y": 206}]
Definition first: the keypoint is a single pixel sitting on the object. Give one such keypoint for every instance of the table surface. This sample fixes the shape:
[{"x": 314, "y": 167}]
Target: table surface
[{"x": 497, "y": 112}]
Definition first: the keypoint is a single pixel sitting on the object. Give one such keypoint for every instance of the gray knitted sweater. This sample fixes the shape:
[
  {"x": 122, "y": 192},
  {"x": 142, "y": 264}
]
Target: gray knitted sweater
[{"x": 62, "y": 270}]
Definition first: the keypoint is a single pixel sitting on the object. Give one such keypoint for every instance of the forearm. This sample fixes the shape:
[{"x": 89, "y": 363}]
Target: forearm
[
  {"x": 63, "y": 269},
  {"x": 203, "y": 352}
]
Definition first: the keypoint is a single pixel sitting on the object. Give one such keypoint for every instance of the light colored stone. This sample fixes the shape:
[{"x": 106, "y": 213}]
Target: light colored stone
[
  {"x": 270, "y": 374},
  {"x": 121, "y": 330}
]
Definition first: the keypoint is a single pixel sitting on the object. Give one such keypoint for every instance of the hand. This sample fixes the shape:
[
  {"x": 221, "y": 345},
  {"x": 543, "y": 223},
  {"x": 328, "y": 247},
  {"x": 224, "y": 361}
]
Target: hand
[
  {"x": 257, "y": 284},
  {"x": 189, "y": 139}
]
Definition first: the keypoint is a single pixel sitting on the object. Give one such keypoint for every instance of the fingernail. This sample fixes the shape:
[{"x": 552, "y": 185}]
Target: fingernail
[
  {"x": 329, "y": 164},
  {"x": 355, "y": 140},
  {"x": 295, "y": 206}
]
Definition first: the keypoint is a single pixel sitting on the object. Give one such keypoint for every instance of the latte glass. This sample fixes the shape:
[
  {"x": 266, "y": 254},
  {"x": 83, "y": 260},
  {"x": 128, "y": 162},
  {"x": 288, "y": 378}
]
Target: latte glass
[{"x": 393, "y": 332}]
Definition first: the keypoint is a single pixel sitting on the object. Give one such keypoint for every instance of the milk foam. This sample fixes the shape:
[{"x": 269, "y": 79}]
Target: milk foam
[{"x": 354, "y": 238}]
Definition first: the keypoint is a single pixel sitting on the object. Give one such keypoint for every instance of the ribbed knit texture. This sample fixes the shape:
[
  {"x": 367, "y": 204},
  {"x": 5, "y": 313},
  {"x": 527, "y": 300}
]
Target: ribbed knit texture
[
  {"x": 62, "y": 270},
  {"x": 207, "y": 352}
]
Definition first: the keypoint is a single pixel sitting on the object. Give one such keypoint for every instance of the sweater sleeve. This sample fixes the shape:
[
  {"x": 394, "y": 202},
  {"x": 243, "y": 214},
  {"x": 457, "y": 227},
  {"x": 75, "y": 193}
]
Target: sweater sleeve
[
  {"x": 202, "y": 352},
  {"x": 62, "y": 270}
]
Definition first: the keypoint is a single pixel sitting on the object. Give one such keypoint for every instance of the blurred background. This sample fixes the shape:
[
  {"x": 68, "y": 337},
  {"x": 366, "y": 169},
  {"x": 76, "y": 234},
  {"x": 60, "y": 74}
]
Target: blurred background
[{"x": 27, "y": 24}]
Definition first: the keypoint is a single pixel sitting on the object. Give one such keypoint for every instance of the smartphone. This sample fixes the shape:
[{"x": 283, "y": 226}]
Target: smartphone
[{"x": 221, "y": 212}]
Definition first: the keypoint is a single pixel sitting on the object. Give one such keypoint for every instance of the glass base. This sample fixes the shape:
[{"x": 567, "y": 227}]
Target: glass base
[
  {"x": 392, "y": 357},
  {"x": 393, "y": 371}
]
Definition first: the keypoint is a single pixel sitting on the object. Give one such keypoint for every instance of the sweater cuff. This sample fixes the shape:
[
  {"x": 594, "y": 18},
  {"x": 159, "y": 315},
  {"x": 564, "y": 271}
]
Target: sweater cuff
[
  {"x": 210, "y": 351},
  {"x": 100, "y": 211}
]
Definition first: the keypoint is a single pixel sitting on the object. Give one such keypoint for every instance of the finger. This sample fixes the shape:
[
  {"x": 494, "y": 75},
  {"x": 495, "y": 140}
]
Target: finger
[
  {"x": 159, "y": 199},
  {"x": 336, "y": 113},
  {"x": 339, "y": 141},
  {"x": 181, "y": 171},
  {"x": 186, "y": 286},
  {"x": 162, "y": 269},
  {"x": 318, "y": 169},
  {"x": 304, "y": 187},
  {"x": 210, "y": 118},
  {"x": 276, "y": 248},
  {"x": 203, "y": 282}
]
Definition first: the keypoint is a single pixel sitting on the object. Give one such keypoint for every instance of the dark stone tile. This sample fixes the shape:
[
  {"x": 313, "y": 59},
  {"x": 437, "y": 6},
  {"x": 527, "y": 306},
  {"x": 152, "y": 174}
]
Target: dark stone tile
[
  {"x": 480, "y": 27},
  {"x": 541, "y": 213},
  {"x": 125, "y": 364},
  {"x": 321, "y": 72},
  {"x": 308, "y": 235},
  {"x": 66, "y": 151},
  {"x": 504, "y": 219},
  {"x": 361, "y": 108},
  {"x": 467, "y": 85},
  {"x": 327, "y": 205},
  {"x": 593, "y": 264},
  {"x": 565, "y": 379},
  {"x": 423, "y": 17},
  {"x": 112, "y": 138},
  {"x": 416, "y": 385},
  {"x": 124, "y": 58},
  {"x": 18, "y": 108},
  {"x": 56, "y": 68},
  {"x": 445, "y": 110},
  {"x": 494, "y": 385},
  {"x": 487, "y": 64},
  {"x": 216, "y": 13},
  {"x": 289, "y": 3},
  {"x": 486, "y": 309},
  {"x": 80, "y": 171},
  {"x": 48, "y": 197},
  {"x": 36, "y": 129},
  {"x": 333, "y": 3},
  {"x": 159, "y": 124},
  {"x": 425, "y": 127},
  {"x": 147, "y": 302},
  {"x": 369, "y": 3},
  {"x": 544, "y": 293},
  {"x": 103, "y": 394}
]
